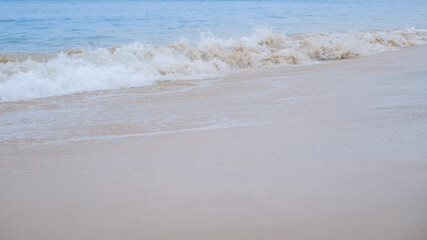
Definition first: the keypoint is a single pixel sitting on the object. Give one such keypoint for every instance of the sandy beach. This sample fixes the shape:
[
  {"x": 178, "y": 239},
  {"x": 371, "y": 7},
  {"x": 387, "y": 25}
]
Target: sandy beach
[{"x": 331, "y": 151}]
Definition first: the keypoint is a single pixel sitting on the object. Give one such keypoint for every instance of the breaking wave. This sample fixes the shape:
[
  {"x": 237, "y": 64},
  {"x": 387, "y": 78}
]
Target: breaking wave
[{"x": 25, "y": 76}]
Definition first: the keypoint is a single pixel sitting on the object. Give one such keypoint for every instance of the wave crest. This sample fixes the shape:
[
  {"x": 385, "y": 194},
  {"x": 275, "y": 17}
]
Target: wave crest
[{"x": 25, "y": 76}]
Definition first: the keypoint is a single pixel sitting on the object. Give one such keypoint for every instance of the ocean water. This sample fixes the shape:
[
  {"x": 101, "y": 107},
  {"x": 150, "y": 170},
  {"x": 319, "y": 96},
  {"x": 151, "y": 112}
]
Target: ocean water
[{"x": 52, "y": 47}]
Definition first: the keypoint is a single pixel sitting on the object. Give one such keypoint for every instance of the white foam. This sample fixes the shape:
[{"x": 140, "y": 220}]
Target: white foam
[{"x": 141, "y": 64}]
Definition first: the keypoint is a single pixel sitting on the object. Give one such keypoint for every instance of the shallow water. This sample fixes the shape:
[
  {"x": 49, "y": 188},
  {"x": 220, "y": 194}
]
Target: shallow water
[{"x": 243, "y": 98}]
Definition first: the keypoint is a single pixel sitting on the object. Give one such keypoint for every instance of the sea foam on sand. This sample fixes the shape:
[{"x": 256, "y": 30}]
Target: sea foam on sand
[{"x": 24, "y": 76}]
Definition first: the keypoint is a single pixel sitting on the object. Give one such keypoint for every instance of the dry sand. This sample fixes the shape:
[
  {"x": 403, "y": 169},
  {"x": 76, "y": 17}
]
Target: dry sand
[{"x": 331, "y": 151}]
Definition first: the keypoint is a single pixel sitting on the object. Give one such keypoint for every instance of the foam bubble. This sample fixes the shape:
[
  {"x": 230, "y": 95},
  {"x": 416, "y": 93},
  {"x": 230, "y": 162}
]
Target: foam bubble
[{"x": 138, "y": 64}]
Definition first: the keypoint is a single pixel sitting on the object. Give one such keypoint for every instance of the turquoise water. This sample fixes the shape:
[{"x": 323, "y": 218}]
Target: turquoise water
[{"x": 53, "y": 25}]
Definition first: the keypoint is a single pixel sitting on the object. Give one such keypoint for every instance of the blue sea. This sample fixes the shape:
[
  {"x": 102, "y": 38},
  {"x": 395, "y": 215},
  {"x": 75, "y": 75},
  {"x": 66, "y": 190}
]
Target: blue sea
[
  {"x": 52, "y": 47},
  {"x": 47, "y": 26}
]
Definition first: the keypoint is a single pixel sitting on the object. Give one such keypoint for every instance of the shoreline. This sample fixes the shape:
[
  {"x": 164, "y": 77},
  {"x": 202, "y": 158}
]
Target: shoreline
[
  {"x": 243, "y": 74},
  {"x": 138, "y": 64},
  {"x": 330, "y": 151}
]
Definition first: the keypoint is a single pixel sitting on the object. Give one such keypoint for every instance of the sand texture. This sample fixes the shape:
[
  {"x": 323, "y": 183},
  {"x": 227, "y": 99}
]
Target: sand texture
[{"x": 331, "y": 151}]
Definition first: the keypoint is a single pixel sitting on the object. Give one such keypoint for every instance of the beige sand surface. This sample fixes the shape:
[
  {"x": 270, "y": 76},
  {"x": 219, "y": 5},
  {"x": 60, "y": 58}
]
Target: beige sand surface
[{"x": 336, "y": 151}]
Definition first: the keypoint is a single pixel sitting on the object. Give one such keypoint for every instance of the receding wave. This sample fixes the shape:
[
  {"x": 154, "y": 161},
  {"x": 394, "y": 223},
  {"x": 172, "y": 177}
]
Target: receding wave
[{"x": 26, "y": 76}]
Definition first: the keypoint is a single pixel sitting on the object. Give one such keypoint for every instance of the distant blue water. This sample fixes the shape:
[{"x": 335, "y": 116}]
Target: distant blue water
[{"x": 53, "y": 25}]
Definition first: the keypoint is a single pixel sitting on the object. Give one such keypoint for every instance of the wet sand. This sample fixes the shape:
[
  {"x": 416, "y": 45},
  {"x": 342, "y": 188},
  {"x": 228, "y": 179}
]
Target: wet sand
[{"x": 330, "y": 151}]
